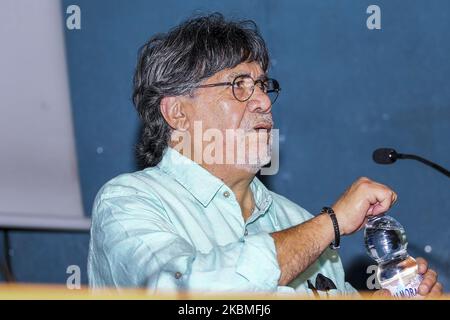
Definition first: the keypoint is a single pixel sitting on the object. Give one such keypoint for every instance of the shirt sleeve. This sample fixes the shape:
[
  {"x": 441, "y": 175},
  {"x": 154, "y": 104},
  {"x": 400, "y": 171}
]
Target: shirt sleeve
[
  {"x": 133, "y": 244},
  {"x": 350, "y": 290}
]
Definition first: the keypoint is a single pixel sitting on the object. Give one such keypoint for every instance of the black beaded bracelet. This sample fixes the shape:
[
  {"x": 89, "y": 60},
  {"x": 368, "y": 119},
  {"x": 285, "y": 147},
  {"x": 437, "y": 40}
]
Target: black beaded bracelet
[{"x": 337, "y": 235}]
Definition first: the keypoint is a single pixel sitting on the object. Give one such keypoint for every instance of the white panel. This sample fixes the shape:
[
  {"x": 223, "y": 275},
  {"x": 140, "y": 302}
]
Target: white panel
[{"x": 38, "y": 169}]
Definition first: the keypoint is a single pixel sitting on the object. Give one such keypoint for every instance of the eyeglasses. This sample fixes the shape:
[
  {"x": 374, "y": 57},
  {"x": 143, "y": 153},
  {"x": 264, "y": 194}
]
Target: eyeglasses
[{"x": 243, "y": 87}]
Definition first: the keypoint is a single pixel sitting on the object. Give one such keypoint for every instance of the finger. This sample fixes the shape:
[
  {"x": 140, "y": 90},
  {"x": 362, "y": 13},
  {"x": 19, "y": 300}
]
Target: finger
[
  {"x": 437, "y": 290},
  {"x": 393, "y": 195},
  {"x": 382, "y": 293},
  {"x": 394, "y": 198},
  {"x": 384, "y": 197},
  {"x": 370, "y": 211},
  {"x": 422, "y": 265},
  {"x": 428, "y": 282}
]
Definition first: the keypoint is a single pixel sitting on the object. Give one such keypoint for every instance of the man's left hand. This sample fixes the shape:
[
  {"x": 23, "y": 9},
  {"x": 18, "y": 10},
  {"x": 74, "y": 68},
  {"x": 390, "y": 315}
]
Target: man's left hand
[{"x": 429, "y": 287}]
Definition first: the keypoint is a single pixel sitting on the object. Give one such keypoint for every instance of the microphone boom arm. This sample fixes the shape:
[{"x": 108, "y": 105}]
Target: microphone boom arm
[{"x": 424, "y": 161}]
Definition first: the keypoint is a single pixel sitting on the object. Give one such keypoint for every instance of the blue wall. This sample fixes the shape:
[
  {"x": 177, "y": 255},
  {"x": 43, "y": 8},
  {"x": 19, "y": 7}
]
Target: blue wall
[{"x": 346, "y": 91}]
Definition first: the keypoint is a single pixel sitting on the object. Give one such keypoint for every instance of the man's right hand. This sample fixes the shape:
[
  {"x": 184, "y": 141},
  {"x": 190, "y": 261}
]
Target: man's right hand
[
  {"x": 364, "y": 198},
  {"x": 299, "y": 246}
]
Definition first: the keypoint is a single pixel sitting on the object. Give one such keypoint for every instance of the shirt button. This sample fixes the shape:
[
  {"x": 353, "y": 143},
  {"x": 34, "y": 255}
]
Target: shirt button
[
  {"x": 246, "y": 232},
  {"x": 178, "y": 275},
  {"x": 226, "y": 194}
]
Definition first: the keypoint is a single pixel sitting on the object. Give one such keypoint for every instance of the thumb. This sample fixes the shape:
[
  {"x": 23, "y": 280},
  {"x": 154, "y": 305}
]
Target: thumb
[{"x": 379, "y": 207}]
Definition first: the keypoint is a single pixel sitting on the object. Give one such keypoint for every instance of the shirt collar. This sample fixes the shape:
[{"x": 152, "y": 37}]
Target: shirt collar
[
  {"x": 261, "y": 195},
  {"x": 202, "y": 184},
  {"x": 194, "y": 178}
]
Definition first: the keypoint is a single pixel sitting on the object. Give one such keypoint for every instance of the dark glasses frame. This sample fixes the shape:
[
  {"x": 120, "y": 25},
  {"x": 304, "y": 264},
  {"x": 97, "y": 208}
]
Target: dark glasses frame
[{"x": 265, "y": 83}]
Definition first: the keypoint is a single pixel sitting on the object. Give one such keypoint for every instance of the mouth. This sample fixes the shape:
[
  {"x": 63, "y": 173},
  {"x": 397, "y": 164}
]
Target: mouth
[{"x": 267, "y": 126}]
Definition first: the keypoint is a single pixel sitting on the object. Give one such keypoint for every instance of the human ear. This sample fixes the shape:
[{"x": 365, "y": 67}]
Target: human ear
[{"x": 174, "y": 113}]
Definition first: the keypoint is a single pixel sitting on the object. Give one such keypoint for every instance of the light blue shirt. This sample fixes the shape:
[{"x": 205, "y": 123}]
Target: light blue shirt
[{"x": 176, "y": 227}]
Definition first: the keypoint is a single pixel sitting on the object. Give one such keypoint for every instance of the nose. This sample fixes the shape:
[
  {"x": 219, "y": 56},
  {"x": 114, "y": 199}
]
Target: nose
[{"x": 259, "y": 102}]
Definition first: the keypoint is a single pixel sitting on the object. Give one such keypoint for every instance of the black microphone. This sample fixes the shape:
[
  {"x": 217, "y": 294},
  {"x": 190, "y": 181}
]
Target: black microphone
[{"x": 389, "y": 155}]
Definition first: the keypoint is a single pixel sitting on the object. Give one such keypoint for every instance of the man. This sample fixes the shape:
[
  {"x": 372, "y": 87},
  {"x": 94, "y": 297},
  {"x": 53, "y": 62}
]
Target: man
[{"x": 196, "y": 224}]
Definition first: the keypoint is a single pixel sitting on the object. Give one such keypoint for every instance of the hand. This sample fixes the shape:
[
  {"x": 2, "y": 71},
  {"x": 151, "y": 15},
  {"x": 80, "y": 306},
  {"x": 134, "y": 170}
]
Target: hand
[
  {"x": 364, "y": 198},
  {"x": 429, "y": 287},
  {"x": 382, "y": 293}
]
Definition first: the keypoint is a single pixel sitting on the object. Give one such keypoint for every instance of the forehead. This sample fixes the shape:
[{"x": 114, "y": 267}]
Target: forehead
[{"x": 246, "y": 68}]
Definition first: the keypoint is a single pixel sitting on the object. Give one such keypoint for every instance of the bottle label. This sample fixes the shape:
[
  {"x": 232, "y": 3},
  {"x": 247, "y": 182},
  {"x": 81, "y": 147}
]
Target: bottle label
[{"x": 408, "y": 290}]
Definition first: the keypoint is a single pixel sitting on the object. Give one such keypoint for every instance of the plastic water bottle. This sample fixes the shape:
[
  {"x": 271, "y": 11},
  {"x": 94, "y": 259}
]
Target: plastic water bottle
[{"x": 386, "y": 242}]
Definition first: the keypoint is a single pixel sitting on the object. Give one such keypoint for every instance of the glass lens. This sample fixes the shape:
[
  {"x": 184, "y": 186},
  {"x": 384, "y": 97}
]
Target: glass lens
[
  {"x": 244, "y": 86},
  {"x": 273, "y": 89}
]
